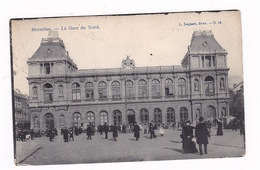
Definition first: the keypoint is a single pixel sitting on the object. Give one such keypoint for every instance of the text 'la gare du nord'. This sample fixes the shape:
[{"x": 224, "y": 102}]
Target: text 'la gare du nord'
[{"x": 63, "y": 28}]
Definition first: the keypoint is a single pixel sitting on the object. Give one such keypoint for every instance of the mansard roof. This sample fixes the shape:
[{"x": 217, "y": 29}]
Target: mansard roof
[
  {"x": 51, "y": 49},
  {"x": 204, "y": 42}
]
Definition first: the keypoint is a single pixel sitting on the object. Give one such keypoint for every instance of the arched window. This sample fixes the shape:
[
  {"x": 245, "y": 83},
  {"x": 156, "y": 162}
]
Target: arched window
[
  {"x": 102, "y": 90},
  {"x": 130, "y": 89},
  {"x": 35, "y": 93},
  {"x": 75, "y": 91},
  {"x": 222, "y": 84},
  {"x": 196, "y": 85},
  {"x": 144, "y": 116},
  {"x": 168, "y": 88},
  {"x": 117, "y": 115},
  {"x": 76, "y": 119},
  {"x": 182, "y": 87},
  {"x": 36, "y": 122},
  {"x": 170, "y": 116},
  {"x": 156, "y": 92},
  {"x": 89, "y": 90},
  {"x": 48, "y": 93},
  {"x": 130, "y": 116},
  {"x": 116, "y": 92},
  {"x": 90, "y": 118},
  {"x": 157, "y": 113},
  {"x": 209, "y": 86},
  {"x": 183, "y": 114},
  {"x": 142, "y": 89},
  {"x": 60, "y": 89},
  {"x": 103, "y": 117}
]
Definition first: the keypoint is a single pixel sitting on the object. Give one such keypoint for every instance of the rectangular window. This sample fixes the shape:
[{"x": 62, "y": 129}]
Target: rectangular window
[
  {"x": 182, "y": 90},
  {"x": 142, "y": 91},
  {"x": 130, "y": 92},
  {"x": 75, "y": 94},
  {"x": 209, "y": 89},
  {"x": 89, "y": 94},
  {"x": 102, "y": 93},
  {"x": 48, "y": 98},
  {"x": 47, "y": 68},
  {"x": 208, "y": 61},
  {"x": 156, "y": 91},
  {"x": 116, "y": 94},
  {"x": 168, "y": 91}
]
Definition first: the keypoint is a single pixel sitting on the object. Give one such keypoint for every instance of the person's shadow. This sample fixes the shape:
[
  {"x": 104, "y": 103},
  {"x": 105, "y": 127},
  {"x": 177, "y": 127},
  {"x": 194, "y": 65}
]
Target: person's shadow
[{"x": 176, "y": 150}]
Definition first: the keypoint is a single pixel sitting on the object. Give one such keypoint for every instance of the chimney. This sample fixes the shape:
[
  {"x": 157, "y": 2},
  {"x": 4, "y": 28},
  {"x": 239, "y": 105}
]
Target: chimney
[{"x": 53, "y": 34}]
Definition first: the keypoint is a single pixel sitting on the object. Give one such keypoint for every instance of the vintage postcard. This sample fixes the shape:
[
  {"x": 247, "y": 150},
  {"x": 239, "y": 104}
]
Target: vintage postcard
[{"x": 122, "y": 88}]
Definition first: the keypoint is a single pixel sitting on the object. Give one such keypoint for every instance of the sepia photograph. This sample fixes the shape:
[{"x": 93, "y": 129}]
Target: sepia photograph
[{"x": 127, "y": 88}]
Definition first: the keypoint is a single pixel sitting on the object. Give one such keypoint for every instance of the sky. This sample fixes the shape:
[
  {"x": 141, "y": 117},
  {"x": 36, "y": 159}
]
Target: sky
[{"x": 104, "y": 41}]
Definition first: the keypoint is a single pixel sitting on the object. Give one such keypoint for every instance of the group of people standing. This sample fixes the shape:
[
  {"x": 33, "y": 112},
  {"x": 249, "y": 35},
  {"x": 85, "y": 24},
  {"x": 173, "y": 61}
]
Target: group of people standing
[{"x": 201, "y": 137}]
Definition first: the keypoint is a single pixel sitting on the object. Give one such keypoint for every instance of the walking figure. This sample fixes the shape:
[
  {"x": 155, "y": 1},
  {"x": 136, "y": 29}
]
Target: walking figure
[
  {"x": 151, "y": 130},
  {"x": 65, "y": 134},
  {"x": 105, "y": 129},
  {"x": 89, "y": 132},
  {"x": 136, "y": 131},
  {"x": 202, "y": 134},
  {"x": 115, "y": 132},
  {"x": 219, "y": 129}
]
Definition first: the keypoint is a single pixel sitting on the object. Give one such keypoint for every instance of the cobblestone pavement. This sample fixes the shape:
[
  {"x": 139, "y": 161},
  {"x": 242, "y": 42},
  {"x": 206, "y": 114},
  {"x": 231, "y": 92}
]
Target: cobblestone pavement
[{"x": 41, "y": 151}]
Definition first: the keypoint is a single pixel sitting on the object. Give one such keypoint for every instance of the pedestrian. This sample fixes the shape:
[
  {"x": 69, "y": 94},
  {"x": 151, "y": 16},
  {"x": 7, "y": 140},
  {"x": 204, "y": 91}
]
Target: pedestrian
[
  {"x": 151, "y": 130},
  {"x": 65, "y": 134},
  {"x": 161, "y": 131},
  {"x": 105, "y": 129},
  {"x": 61, "y": 131},
  {"x": 202, "y": 134},
  {"x": 145, "y": 128},
  {"x": 234, "y": 128},
  {"x": 209, "y": 126},
  {"x": 115, "y": 132},
  {"x": 219, "y": 128},
  {"x": 71, "y": 133},
  {"x": 89, "y": 132},
  {"x": 32, "y": 134},
  {"x": 187, "y": 136},
  {"x": 100, "y": 129},
  {"x": 50, "y": 134},
  {"x": 124, "y": 128},
  {"x": 136, "y": 131},
  {"x": 242, "y": 127}
]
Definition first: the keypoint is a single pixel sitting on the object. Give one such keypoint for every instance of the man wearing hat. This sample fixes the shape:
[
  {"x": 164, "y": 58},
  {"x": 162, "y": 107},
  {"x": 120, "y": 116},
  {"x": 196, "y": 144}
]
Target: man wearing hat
[{"x": 202, "y": 134}]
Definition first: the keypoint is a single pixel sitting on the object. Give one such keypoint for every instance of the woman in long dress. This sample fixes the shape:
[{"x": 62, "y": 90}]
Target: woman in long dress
[
  {"x": 219, "y": 129},
  {"x": 187, "y": 138},
  {"x": 161, "y": 131},
  {"x": 136, "y": 131}
]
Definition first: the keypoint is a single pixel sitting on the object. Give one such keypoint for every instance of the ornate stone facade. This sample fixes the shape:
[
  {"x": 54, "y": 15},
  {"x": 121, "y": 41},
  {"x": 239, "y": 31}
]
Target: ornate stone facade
[{"x": 61, "y": 95}]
